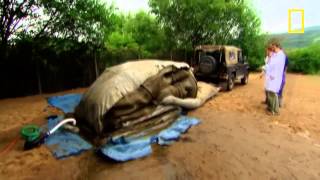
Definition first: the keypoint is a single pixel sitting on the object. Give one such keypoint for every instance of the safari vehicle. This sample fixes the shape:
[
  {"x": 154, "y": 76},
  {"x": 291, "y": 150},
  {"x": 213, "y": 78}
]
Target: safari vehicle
[{"x": 221, "y": 63}]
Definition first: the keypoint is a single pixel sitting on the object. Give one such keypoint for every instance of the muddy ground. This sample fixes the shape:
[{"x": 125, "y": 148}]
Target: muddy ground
[{"x": 236, "y": 140}]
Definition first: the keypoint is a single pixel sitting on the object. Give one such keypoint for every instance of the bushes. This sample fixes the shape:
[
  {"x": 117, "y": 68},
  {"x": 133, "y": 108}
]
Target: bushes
[{"x": 305, "y": 60}]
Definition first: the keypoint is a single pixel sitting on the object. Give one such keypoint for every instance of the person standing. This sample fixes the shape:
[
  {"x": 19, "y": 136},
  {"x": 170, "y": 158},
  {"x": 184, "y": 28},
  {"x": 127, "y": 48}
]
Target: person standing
[
  {"x": 274, "y": 76},
  {"x": 269, "y": 53},
  {"x": 280, "y": 93}
]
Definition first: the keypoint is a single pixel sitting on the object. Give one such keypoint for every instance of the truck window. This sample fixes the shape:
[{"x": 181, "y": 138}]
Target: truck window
[
  {"x": 240, "y": 57},
  {"x": 232, "y": 56}
]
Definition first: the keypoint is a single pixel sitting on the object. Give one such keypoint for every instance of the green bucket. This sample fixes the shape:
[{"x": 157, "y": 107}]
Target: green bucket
[{"x": 30, "y": 132}]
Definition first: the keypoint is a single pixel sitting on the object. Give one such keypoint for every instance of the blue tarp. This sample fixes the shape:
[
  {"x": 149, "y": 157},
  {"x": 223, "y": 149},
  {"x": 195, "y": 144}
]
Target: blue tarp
[
  {"x": 124, "y": 149},
  {"x": 63, "y": 143},
  {"x": 67, "y": 103},
  {"x": 171, "y": 134}
]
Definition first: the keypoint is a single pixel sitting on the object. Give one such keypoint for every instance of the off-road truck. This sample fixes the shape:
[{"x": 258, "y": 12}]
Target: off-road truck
[{"x": 221, "y": 63}]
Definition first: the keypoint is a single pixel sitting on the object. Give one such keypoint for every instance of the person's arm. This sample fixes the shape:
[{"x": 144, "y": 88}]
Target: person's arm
[
  {"x": 286, "y": 64},
  {"x": 266, "y": 60}
]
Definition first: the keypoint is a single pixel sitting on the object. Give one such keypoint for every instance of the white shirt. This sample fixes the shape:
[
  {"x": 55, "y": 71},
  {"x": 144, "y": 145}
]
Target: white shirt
[{"x": 274, "y": 72}]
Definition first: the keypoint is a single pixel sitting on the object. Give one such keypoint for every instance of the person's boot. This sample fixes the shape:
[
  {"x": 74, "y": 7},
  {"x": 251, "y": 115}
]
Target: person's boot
[{"x": 280, "y": 102}]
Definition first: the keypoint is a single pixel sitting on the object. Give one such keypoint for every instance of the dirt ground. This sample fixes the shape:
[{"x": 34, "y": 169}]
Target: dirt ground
[{"x": 236, "y": 140}]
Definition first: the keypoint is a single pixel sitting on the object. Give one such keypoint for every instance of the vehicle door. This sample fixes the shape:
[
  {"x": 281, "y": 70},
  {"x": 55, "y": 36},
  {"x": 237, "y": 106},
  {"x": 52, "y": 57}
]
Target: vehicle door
[{"x": 241, "y": 65}]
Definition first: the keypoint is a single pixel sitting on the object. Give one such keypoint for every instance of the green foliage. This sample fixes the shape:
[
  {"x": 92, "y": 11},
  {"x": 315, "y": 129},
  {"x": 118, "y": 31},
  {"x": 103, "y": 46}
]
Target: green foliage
[
  {"x": 135, "y": 36},
  {"x": 195, "y": 22},
  {"x": 306, "y": 60},
  {"x": 189, "y": 22},
  {"x": 250, "y": 39},
  {"x": 11, "y": 14},
  {"x": 55, "y": 46},
  {"x": 146, "y": 32},
  {"x": 80, "y": 20}
]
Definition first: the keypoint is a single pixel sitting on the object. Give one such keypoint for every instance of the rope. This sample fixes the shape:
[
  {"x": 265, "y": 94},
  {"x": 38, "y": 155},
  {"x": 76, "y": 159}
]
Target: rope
[{"x": 9, "y": 146}]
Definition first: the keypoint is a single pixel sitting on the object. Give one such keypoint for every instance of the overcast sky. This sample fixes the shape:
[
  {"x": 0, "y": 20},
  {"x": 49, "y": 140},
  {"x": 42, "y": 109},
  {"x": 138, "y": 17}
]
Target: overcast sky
[{"x": 273, "y": 13}]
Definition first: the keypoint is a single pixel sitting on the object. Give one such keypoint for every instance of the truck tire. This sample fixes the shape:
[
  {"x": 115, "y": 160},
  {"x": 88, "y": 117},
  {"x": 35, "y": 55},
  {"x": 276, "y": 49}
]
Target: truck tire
[
  {"x": 245, "y": 79},
  {"x": 208, "y": 65},
  {"x": 230, "y": 82}
]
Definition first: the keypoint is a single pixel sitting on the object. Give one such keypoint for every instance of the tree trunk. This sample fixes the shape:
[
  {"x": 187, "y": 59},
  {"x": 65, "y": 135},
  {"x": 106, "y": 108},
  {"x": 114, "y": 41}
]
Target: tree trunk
[
  {"x": 96, "y": 66},
  {"x": 4, "y": 51},
  {"x": 38, "y": 78},
  {"x": 185, "y": 54}
]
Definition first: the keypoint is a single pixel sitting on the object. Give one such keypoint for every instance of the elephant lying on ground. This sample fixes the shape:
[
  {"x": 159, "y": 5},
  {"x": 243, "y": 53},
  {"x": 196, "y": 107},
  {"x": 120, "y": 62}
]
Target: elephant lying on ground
[{"x": 139, "y": 96}]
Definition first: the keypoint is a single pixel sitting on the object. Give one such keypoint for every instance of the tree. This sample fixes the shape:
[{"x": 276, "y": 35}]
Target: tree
[
  {"x": 135, "y": 36},
  {"x": 12, "y": 14},
  {"x": 80, "y": 20},
  {"x": 194, "y": 22},
  {"x": 146, "y": 32},
  {"x": 250, "y": 39}
]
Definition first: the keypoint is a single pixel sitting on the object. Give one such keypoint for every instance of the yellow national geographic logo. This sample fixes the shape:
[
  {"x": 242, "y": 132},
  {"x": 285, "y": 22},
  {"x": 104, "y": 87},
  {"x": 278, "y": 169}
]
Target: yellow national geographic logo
[{"x": 295, "y": 21}]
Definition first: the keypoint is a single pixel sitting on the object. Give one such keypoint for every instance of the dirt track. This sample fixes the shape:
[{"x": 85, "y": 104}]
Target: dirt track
[{"x": 236, "y": 140}]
